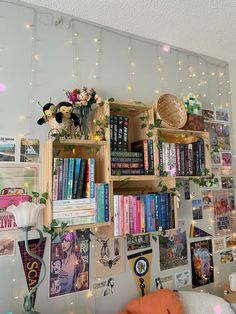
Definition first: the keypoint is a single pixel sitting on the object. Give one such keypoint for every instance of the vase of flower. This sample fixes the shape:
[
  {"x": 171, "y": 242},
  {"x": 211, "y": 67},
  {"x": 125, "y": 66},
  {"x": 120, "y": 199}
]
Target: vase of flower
[{"x": 84, "y": 102}]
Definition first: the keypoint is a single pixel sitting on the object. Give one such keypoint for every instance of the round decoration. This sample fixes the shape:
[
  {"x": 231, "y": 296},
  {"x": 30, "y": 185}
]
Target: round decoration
[
  {"x": 141, "y": 266},
  {"x": 171, "y": 110}
]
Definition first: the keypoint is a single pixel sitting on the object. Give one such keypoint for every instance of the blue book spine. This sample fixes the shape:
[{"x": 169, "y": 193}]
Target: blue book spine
[
  {"x": 70, "y": 178},
  {"x": 77, "y": 163},
  {"x": 150, "y": 157},
  {"x": 92, "y": 177},
  {"x": 65, "y": 178},
  {"x": 106, "y": 198},
  {"x": 60, "y": 182},
  {"x": 157, "y": 211},
  {"x": 148, "y": 214},
  {"x": 102, "y": 202},
  {"x": 167, "y": 210},
  {"x": 162, "y": 210}
]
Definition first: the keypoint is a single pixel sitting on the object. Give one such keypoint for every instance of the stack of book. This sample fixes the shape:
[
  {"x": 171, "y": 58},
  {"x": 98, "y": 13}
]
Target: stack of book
[
  {"x": 143, "y": 213},
  {"x": 139, "y": 161},
  {"x": 182, "y": 159},
  {"x": 119, "y": 133}
]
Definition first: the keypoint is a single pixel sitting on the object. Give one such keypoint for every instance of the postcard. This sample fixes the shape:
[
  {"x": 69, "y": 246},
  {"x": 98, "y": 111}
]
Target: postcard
[
  {"x": 29, "y": 150},
  {"x": 222, "y": 114},
  {"x": 182, "y": 279},
  {"x": 208, "y": 114},
  {"x": 231, "y": 242},
  {"x": 227, "y": 182},
  {"x": 226, "y": 163},
  {"x": 7, "y": 148},
  {"x": 136, "y": 242},
  {"x": 215, "y": 158},
  {"x": 197, "y": 209},
  {"x": 7, "y": 246},
  {"x": 226, "y": 257},
  {"x": 102, "y": 288},
  {"x": 207, "y": 199},
  {"x": 219, "y": 244},
  {"x": 202, "y": 263}
]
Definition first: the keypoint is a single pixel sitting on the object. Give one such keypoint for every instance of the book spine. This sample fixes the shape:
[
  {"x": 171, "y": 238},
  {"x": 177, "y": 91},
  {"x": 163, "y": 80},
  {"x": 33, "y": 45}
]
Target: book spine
[
  {"x": 76, "y": 177},
  {"x": 125, "y": 133},
  {"x": 157, "y": 212},
  {"x": 70, "y": 178},
  {"x": 197, "y": 160},
  {"x": 127, "y": 160},
  {"x": 134, "y": 207},
  {"x": 138, "y": 215},
  {"x": 116, "y": 216},
  {"x": 60, "y": 181},
  {"x": 121, "y": 214},
  {"x": 111, "y": 132},
  {"x": 127, "y": 172},
  {"x": 150, "y": 157},
  {"x": 120, "y": 134},
  {"x": 127, "y": 154},
  {"x": 65, "y": 179},
  {"x": 131, "y": 220},
  {"x": 81, "y": 178},
  {"x": 142, "y": 214},
  {"x": 173, "y": 159},
  {"x": 55, "y": 178},
  {"x": 87, "y": 179},
  {"x": 125, "y": 165},
  {"x": 106, "y": 201},
  {"x": 162, "y": 210},
  {"x": 58, "y": 209},
  {"x": 167, "y": 210},
  {"x": 77, "y": 221},
  {"x": 160, "y": 152},
  {"x": 152, "y": 204},
  {"x": 98, "y": 205},
  {"x": 172, "y": 206},
  {"x": 202, "y": 158},
  {"x": 177, "y": 154},
  {"x": 92, "y": 177},
  {"x": 182, "y": 161},
  {"x": 115, "y": 133},
  {"x": 148, "y": 214},
  {"x": 74, "y": 213},
  {"x": 126, "y": 215},
  {"x": 102, "y": 201},
  {"x": 190, "y": 159}
]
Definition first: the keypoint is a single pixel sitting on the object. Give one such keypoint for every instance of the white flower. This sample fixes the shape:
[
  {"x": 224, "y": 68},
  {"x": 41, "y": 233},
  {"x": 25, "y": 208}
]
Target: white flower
[{"x": 26, "y": 213}]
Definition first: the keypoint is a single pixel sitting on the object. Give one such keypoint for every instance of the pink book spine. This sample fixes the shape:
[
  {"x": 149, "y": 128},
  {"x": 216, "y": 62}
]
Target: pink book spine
[
  {"x": 121, "y": 214},
  {"x": 138, "y": 216},
  {"x": 142, "y": 215},
  {"x": 131, "y": 220},
  {"x": 134, "y": 208},
  {"x": 126, "y": 215}
]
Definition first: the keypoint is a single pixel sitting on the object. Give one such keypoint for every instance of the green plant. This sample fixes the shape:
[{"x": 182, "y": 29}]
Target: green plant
[
  {"x": 53, "y": 228},
  {"x": 41, "y": 199},
  {"x": 207, "y": 181}
]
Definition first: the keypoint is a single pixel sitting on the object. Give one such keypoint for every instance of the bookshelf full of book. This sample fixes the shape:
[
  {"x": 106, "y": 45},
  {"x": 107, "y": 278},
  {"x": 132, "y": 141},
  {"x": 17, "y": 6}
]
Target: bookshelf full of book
[
  {"x": 141, "y": 165},
  {"x": 75, "y": 176}
]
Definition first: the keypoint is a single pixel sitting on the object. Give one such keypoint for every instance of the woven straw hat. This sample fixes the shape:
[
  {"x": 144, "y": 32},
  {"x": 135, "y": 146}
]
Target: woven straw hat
[{"x": 171, "y": 111}]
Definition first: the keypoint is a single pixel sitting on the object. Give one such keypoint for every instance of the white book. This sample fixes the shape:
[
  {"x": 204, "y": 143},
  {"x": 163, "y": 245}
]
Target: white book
[
  {"x": 116, "y": 216},
  {"x": 57, "y": 209},
  {"x": 74, "y": 214},
  {"x": 73, "y": 201}
]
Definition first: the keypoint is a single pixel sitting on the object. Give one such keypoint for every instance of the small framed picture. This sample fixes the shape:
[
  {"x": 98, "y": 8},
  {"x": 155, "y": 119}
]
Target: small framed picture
[{"x": 222, "y": 114}]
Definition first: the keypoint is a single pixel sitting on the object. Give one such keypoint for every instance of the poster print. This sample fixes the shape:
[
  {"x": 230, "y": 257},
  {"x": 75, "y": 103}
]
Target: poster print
[
  {"x": 140, "y": 241},
  {"x": 219, "y": 135},
  {"x": 227, "y": 182},
  {"x": 110, "y": 257},
  {"x": 222, "y": 114},
  {"x": 182, "y": 279},
  {"x": 226, "y": 163},
  {"x": 231, "y": 242},
  {"x": 29, "y": 150},
  {"x": 202, "y": 263},
  {"x": 104, "y": 288},
  {"x": 7, "y": 246},
  {"x": 218, "y": 244},
  {"x": 207, "y": 199},
  {"x": 69, "y": 265},
  {"x": 226, "y": 257},
  {"x": 197, "y": 209},
  {"x": 173, "y": 248},
  {"x": 7, "y": 148},
  {"x": 208, "y": 115},
  {"x": 215, "y": 158}
]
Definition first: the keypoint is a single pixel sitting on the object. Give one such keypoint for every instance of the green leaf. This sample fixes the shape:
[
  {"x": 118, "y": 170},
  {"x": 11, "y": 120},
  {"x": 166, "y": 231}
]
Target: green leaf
[
  {"x": 42, "y": 200},
  {"x": 35, "y": 194},
  {"x": 157, "y": 123},
  {"x": 45, "y": 195},
  {"x": 64, "y": 225},
  {"x": 151, "y": 126},
  {"x": 154, "y": 238},
  {"x": 111, "y": 99},
  {"x": 149, "y": 134},
  {"x": 53, "y": 223},
  {"x": 143, "y": 125}
]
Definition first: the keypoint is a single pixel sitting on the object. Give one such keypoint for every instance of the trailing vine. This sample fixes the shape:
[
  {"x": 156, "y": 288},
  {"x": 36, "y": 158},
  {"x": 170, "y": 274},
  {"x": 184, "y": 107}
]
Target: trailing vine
[
  {"x": 208, "y": 181},
  {"x": 53, "y": 228}
]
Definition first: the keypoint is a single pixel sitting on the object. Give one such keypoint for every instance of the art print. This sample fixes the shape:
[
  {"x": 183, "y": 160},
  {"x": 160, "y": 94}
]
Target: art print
[
  {"x": 219, "y": 135},
  {"x": 69, "y": 266},
  {"x": 135, "y": 242},
  {"x": 110, "y": 257},
  {"x": 226, "y": 163},
  {"x": 208, "y": 115},
  {"x": 7, "y": 246},
  {"x": 158, "y": 283},
  {"x": 167, "y": 282},
  {"x": 29, "y": 150},
  {"x": 202, "y": 263},
  {"x": 197, "y": 209},
  {"x": 215, "y": 158},
  {"x": 222, "y": 114},
  {"x": 207, "y": 199},
  {"x": 104, "y": 288},
  {"x": 7, "y": 148},
  {"x": 226, "y": 257},
  {"x": 182, "y": 279},
  {"x": 231, "y": 242},
  {"x": 173, "y": 249},
  {"x": 218, "y": 244},
  {"x": 227, "y": 182}
]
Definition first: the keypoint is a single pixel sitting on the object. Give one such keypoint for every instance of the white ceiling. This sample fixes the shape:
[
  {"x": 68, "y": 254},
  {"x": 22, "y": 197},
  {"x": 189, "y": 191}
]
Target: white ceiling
[{"x": 203, "y": 26}]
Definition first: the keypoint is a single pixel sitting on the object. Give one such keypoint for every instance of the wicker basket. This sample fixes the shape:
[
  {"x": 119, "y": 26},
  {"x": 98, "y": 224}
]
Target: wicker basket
[{"x": 171, "y": 111}]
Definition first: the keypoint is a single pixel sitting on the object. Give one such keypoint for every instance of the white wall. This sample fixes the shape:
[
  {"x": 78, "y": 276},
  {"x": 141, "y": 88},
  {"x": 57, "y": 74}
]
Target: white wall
[{"x": 57, "y": 48}]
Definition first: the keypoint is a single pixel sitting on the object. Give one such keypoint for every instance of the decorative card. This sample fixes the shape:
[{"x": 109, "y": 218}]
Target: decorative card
[
  {"x": 207, "y": 199},
  {"x": 29, "y": 150},
  {"x": 208, "y": 115},
  {"x": 7, "y": 246},
  {"x": 69, "y": 266},
  {"x": 218, "y": 244},
  {"x": 173, "y": 249},
  {"x": 215, "y": 158},
  {"x": 226, "y": 163},
  {"x": 226, "y": 257},
  {"x": 110, "y": 257},
  {"x": 7, "y": 148},
  {"x": 227, "y": 182},
  {"x": 197, "y": 209},
  {"x": 202, "y": 263},
  {"x": 136, "y": 242},
  {"x": 102, "y": 288},
  {"x": 222, "y": 114},
  {"x": 231, "y": 242},
  {"x": 182, "y": 279}
]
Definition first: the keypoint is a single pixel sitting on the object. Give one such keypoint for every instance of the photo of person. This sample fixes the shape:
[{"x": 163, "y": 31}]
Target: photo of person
[
  {"x": 159, "y": 284},
  {"x": 69, "y": 264},
  {"x": 109, "y": 287}
]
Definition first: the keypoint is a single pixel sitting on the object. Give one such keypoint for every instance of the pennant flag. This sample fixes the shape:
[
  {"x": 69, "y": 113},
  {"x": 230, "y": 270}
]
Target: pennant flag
[
  {"x": 32, "y": 266},
  {"x": 140, "y": 264},
  {"x": 196, "y": 232}
]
